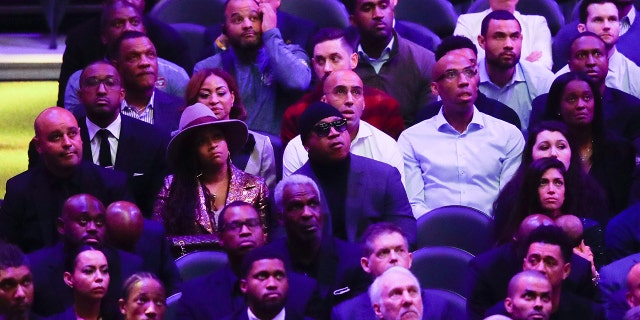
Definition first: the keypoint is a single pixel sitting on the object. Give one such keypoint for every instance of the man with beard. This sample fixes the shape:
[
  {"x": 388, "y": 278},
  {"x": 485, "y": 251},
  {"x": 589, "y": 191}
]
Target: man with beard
[
  {"x": 16, "y": 284},
  {"x": 503, "y": 76},
  {"x": 264, "y": 281},
  {"x": 387, "y": 61},
  {"x": 528, "y": 296},
  {"x": 396, "y": 295},
  {"x": 449, "y": 170},
  {"x": 268, "y": 71}
]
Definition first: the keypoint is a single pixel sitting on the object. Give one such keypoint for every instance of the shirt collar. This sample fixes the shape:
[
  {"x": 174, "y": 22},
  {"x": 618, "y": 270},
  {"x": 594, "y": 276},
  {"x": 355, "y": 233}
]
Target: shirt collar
[
  {"x": 477, "y": 122},
  {"x": 125, "y": 105},
  {"x": 385, "y": 53},
  {"x": 363, "y": 132},
  {"x": 518, "y": 76},
  {"x": 113, "y": 128},
  {"x": 279, "y": 316}
]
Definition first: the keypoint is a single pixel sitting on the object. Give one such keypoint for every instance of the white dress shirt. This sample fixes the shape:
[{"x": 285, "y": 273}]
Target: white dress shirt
[
  {"x": 146, "y": 115},
  {"x": 95, "y": 140},
  {"x": 444, "y": 167}
]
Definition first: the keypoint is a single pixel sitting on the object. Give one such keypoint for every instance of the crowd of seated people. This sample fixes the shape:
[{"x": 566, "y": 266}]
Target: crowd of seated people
[{"x": 309, "y": 157}]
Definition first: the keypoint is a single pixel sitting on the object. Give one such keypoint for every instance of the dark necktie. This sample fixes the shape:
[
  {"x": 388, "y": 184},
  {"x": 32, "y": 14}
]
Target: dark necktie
[{"x": 104, "y": 158}]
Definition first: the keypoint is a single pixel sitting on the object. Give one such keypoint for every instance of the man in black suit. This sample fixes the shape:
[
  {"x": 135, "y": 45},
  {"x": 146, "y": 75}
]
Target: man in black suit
[
  {"x": 133, "y": 147},
  {"x": 264, "y": 281},
  {"x": 16, "y": 284},
  {"x": 34, "y": 198},
  {"x": 549, "y": 251},
  {"x": 239, "y": 233},
  {"x": 332, "y": 262},
  {"x": 88, "y": 41},
  {"x": 490, "y": 272},
  {"x": 82, "y": 223},
  {"x": 356, "y": 191},
  {"x": 135, "y": 57}
]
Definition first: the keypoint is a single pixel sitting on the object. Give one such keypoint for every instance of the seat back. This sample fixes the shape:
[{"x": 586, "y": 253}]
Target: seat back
[
  {"x": 171, "y": 312},
  {"x": 419, "y": 34},
  {"x": 325, "y": 13},
  {"x": 193, "y": 34},
  {"x": 549, "y": 9},
  {"x": 456, "y": 226},
  {"x": 437, "y": 15},
  {"x": 202, "y": 12},
  {"x": 441, "y": 268},
  {"x": 457, "y": 302},
  {"x": 199, "y": 263}
]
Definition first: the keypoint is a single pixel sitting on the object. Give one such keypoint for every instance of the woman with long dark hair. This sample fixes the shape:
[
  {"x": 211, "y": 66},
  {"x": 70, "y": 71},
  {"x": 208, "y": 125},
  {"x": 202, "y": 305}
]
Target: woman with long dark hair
[
  {"x": 204, "y": 180},
  {"x": 575, "y": 100}
]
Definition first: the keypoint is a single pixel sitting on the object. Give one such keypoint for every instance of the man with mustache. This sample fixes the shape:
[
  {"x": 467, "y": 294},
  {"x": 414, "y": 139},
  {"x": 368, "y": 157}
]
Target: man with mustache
[
  {"x": 82, "y": 223},
  {"x": 470, "y": 155},
  {"x": 117, "y": 141},
  {"x": 344, "y": 90},
  {"x": 135, "y": 57},
  {"x": 239, "y": 233},
  {"x": 269, "y": 72},
  {"x": 332, "y": 262},
  {"x": 34, "y": 198},
  {"x": 503, "y": 76}
]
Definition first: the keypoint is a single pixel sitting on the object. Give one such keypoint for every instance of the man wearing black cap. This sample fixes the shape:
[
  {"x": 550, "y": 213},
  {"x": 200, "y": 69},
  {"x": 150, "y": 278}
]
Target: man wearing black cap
[{"x": 368, "y": 190}]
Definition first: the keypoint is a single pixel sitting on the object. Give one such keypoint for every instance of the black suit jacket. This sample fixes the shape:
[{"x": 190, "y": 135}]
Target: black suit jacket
[
  {"x": 84, "y": 45},
  {"x": 51, "y": 294},
  {"x": 217, "y": 295},
  {"x": 140, "y": 155},
  {"x": 489, "y": 275},
  {"x": 166, "y": 112},
  {"x": 337, "y": 269},
  {"x": 375, "y": 193},
  {"x": 294, "y": 30},
  {"x": 156, "y": 255},
  {"x": 621, "y": 236},
  {"x": 484, "y": 104},
  {"x": 242, "y": 315},
  {"x": 34, "y": 201}
]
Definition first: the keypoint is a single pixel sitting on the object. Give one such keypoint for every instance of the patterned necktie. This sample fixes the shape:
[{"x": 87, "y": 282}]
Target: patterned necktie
[{"x": 104, "y": 158}]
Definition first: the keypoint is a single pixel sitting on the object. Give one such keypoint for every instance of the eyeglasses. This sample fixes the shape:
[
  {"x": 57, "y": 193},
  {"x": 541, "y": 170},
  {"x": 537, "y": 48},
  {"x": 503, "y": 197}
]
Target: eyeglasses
[
  {"x": 237, "y": 225},
  {"x": 94, "y": 82},
  {"x": 323, "y": 129},
  {"x": 454, "y": 74}
]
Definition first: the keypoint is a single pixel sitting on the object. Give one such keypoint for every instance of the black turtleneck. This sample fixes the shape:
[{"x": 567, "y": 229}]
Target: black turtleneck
[{"x": 333, "y": 181}]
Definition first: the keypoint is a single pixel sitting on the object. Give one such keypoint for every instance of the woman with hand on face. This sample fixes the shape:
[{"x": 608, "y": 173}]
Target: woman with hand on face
[
  {"x": 546, "y": 190},
  {"x": 575, "y": 100},
  {"x": 143, "y": 298},
  {"x": 87, "y": 274},
  {"x": 548, "y": 139},
  {"x": 204, "y": 180},
  {"x": 216, "y": 89}
]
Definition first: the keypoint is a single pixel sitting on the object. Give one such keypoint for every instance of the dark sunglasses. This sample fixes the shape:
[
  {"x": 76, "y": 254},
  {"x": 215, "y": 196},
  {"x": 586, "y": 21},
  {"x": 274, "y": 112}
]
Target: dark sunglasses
[{"x": 323, "y": 129}]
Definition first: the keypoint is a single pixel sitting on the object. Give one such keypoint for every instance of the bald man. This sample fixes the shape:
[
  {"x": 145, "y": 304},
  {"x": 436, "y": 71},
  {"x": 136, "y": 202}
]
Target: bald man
[
  {"x": 343, "y": 90},
  {"x": 34, "y": 198},
  {"x": 529, "y": 296},
  {"x": 82, "y": 223}
]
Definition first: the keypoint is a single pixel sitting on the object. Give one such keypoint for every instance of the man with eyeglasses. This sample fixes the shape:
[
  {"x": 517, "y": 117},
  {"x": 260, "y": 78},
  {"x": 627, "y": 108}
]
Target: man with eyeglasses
[
  {"x": 385, "y": 246},
  {"x": 332, "y": 262},
  {"x": 343, "y": 89},
  {"x": 503, "y": 75},
  {"x": 34, "y": 198},
  {"x": 356, "y": 190},
  {"x": 118, "y": 141},
  {"x": 217, "y": 294},
  {"x": 470, "y": 156}
]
